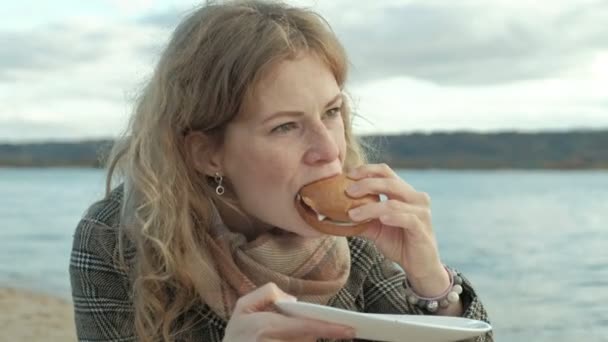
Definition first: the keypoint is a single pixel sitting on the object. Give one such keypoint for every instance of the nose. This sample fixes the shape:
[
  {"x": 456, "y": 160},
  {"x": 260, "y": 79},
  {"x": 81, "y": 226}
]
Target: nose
[{"x": 323, "y": 147}]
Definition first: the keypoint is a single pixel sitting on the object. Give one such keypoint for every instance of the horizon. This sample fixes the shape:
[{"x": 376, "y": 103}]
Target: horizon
[
  {"x": 425, "y": 65},
  {"x": 390, "y": 134}
]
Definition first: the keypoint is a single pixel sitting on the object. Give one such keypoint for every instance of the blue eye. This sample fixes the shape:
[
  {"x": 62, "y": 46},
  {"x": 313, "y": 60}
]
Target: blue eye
[{"x": 284, "y": 128}]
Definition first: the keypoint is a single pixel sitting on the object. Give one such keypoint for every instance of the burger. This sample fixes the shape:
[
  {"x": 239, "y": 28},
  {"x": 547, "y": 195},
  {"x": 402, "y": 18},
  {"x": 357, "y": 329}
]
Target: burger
[{"x": 324, "y": 205}]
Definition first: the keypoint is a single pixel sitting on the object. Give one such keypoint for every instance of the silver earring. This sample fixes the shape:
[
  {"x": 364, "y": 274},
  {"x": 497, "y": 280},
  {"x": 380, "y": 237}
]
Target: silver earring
[{"x": 219, "y": 189}]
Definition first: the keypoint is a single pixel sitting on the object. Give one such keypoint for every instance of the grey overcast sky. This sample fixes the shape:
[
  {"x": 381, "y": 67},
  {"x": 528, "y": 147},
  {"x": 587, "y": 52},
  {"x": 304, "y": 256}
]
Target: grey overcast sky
[{"x": 70, "y": 69}]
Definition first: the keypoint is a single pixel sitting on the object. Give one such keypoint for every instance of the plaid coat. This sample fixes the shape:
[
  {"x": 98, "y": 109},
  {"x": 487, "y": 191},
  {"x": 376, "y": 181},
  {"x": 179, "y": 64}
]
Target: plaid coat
[{"x": 101, "y": 290}]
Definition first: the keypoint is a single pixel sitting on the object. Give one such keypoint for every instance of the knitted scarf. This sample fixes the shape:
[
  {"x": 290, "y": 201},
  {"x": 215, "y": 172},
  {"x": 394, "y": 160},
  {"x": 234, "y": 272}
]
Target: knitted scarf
[{"x": 311, "y": 269}]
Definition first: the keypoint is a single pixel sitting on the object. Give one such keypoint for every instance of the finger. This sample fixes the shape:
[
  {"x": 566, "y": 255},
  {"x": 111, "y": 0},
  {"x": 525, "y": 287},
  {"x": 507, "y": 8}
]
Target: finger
[
  {"x": 390, "y": 207},
  {"x": 276, "y": 326},
  {"x": 393, "y": 188},
  {"x": 261, "y": 299},
  {"x": 415, "y": 229},
  {"x": 372, "y": 170}
]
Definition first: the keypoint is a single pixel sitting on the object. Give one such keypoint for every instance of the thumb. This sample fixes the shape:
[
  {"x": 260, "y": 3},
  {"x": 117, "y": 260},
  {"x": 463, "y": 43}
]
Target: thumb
[{"x": 261, "y": 299}]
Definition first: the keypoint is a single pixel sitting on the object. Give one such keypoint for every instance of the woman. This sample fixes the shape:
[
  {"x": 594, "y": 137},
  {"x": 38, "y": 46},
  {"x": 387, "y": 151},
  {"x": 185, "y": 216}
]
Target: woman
[{"x": 200, "y": 236}]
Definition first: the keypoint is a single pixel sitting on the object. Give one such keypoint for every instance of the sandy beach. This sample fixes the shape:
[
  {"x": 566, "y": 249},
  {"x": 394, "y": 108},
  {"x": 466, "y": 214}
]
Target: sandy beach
[{"x": 28, "y": 316}]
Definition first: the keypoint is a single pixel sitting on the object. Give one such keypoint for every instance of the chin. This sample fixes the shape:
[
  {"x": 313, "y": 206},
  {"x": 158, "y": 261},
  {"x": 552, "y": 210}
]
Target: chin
[{"x": 301, "y": 228}]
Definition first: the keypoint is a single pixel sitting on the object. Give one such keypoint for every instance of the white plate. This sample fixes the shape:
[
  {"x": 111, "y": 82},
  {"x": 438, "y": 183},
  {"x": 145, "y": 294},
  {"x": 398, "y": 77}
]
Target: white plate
[{"x": 391, "y": 328}]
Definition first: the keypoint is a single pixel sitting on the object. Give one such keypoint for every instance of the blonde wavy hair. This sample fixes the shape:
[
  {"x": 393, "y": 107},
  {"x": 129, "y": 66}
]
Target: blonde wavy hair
[{"x": 213, "y": 60}]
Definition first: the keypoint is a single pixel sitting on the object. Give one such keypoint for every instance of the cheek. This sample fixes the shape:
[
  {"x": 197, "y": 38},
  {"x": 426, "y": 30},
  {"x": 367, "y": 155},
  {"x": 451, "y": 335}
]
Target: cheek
[
  {"x": 261, "y": 166},
  {"x": 340, "y": 139}
]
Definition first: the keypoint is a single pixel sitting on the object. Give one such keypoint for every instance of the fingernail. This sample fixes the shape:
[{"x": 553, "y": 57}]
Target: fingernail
[
  {"x": 354, "y": 213},
  {"x": 291, "y": 299},
  {"x": 352, "y": 189}
]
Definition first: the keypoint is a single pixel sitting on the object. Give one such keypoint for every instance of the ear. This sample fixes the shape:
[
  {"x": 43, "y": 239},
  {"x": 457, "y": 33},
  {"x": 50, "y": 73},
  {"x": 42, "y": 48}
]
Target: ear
[{"x": 204, "y": 152}]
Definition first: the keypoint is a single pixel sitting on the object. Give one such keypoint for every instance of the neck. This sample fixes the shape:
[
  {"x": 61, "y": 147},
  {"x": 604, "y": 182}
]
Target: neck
[{"x": 240, "y": 222}]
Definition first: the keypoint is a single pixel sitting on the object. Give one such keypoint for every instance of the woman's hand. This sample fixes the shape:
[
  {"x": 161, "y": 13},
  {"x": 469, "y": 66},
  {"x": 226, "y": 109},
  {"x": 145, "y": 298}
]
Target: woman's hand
[
  {"x": 254, "y": 319},
  {"x": 404, "y": 232}
]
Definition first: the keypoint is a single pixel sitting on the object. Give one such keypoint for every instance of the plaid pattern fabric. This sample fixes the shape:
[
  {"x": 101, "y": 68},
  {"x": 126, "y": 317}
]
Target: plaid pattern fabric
[{"x": 101, "y": 290}]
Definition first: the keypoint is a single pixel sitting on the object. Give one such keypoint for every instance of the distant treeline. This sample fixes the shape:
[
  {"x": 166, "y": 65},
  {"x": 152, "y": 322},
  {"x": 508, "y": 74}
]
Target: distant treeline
[
  {"x": 49, "y": 154},
  {"x": 513, "y": 150},
  {"x": 457, "y": 150}
]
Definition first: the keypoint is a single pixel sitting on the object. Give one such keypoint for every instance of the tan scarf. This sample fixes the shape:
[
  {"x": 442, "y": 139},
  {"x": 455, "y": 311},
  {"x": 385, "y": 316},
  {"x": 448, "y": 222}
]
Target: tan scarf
[{"x": 312, "y": 269}]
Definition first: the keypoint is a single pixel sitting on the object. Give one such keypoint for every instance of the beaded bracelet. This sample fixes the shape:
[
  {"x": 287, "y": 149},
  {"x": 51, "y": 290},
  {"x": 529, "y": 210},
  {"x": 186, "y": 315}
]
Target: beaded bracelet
[{"x": 432, "y": 304}]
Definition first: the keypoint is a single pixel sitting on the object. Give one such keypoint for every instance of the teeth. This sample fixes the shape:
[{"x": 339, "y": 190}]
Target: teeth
[
  {"x": 343, "y": 224},
  {"x": 307, "y": 202}
]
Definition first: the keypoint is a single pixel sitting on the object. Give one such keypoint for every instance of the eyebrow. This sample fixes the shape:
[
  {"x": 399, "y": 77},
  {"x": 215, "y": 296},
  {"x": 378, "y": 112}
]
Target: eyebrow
[{"x": 296, "y": 113}]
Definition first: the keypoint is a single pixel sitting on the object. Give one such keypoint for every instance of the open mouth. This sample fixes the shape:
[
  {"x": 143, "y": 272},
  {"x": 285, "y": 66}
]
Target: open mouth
[{"x": 302, "y": 201}]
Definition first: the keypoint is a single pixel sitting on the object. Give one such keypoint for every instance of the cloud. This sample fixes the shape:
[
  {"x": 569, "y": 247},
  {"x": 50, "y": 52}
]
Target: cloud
[
  {"x": 17, "y": 129},
  {"x": 76, "y": 79},
  {"x": 406, "y": 104},
  {"x": 418, "y": 65},
  {"x": 51, "y": 48},
  {"x": 465, "y": 42},
  {"x": 472, "y": 43},
  {"x": 73, "y": 43},
  {"x": 168, "y": 18}
]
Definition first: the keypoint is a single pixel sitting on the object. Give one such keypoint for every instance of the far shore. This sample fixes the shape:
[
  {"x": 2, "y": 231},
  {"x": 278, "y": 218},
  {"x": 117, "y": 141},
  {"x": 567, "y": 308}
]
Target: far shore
[
  {"x": 397, "y": 166},
  {"x": 575, "y": 149}
]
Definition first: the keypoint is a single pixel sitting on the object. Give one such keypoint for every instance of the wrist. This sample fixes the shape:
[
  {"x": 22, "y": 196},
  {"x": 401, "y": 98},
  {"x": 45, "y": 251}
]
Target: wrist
[
  {"x": 432, "y": 285},
  {"x": 428, "y": 297}
]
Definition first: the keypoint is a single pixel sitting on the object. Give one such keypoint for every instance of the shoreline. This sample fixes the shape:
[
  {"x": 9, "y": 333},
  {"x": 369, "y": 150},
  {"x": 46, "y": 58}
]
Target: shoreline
[
  {"x": 396, "y": 166},
  {"x": 26, "y": 315}
]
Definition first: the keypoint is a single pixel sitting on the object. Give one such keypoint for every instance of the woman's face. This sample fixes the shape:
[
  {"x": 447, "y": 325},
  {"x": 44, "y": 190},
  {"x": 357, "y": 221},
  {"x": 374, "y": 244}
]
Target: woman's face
[{"x": 290, "y": 133}]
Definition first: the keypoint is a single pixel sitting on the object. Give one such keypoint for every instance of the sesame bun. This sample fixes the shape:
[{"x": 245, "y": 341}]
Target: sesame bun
[{"x": 324, "y": 205}]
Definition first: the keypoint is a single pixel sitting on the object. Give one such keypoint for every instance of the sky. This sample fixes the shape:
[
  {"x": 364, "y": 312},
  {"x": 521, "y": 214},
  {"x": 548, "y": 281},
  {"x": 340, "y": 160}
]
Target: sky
[{"x": 70, "y": 69}]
